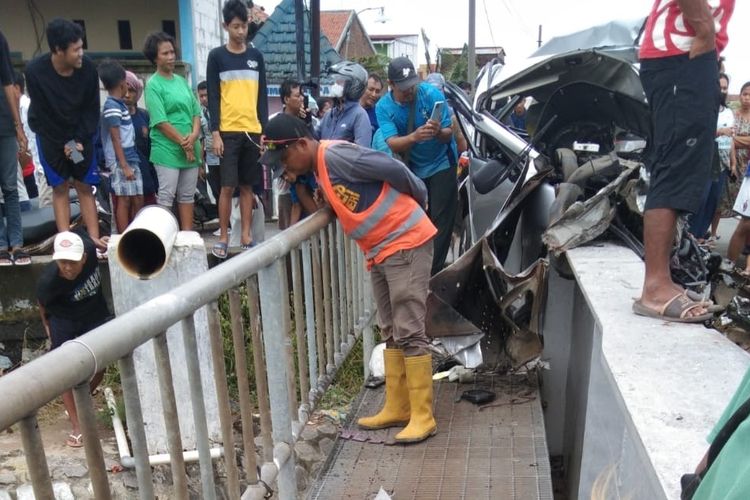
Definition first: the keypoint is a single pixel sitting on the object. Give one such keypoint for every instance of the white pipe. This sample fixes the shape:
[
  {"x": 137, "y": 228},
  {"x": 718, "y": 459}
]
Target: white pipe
[
  {"x": 143, "y": 249},
  {"x": 126, "y": 459},
  {"x": 122, "y": 440}
]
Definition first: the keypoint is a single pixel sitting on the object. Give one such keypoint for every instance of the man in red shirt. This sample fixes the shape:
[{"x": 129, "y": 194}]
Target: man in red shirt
[{"x": 680, "y": 73}]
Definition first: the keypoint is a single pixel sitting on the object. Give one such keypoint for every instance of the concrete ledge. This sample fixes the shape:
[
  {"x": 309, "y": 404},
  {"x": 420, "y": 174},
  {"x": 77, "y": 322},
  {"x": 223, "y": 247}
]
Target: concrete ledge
[{"x": 653, "y": 389}]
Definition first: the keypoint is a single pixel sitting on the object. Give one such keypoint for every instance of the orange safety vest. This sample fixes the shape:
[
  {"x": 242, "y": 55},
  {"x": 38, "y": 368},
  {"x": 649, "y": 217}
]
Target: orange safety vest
[{"x": 394, "y": 222}]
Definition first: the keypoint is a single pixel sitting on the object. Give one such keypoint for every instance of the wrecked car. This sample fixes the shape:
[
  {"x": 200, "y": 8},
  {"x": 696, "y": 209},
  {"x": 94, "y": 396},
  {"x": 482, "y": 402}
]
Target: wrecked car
[{"x": 572, "y": 175}]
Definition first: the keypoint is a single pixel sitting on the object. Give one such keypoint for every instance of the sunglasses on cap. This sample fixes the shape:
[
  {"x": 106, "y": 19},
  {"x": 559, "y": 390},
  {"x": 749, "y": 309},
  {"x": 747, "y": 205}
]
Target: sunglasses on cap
[{"x": 267, "y": 144}]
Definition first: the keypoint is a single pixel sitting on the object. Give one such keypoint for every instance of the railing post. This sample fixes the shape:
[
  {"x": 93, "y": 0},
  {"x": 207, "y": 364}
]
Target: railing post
[
  {"x": 336, "y": 313},
  {"x": 349, "y": 286},
  {"x": 36, "y": 459},
  {"x": 91, "y": 443},
  {"x": 199, "y": 408},
  {"x": 243, "y": 385},
  {"x": 222, "y": 395},
  {"x": 327, "y": 301},
  {"x": 319, "y": 308},
  {"x": 286, "y": 324},
  {"x": 259, "y": 364},
  {"x": 271, "y": 297},
  {"x": 355, "y": 284},
  {"x": 136, "y": 431},
  {"x": 361, "y": 285},
  {"x": 341, "y": 299},
  {"x": 312, "y": 347},
  {"x": 369, "y": 302},
  {"x": 171, "y": 416},
  {"x": 299, "y": 330}
]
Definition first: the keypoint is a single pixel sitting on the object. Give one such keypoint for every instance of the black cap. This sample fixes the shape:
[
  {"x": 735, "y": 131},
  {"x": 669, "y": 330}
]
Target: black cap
[
  {"x": 278, "y": 134},
  {"x": 401, "y": 73}
]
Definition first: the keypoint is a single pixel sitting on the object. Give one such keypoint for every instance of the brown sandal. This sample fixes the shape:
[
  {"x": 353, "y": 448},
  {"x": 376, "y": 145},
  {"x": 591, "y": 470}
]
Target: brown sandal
[
  {"x": 74, "y": 440},
  {"x": 676, "y": 310}
]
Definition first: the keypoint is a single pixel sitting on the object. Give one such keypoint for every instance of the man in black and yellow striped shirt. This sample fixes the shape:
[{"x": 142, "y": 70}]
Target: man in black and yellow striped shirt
[{"x": 238, "y": 106}]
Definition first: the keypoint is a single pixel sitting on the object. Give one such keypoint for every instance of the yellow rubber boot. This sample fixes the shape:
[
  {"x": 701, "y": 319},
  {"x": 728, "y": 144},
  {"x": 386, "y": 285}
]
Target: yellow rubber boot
[
  {"x": 395, "y": 411},
  {"x": 419, "y": 381}
]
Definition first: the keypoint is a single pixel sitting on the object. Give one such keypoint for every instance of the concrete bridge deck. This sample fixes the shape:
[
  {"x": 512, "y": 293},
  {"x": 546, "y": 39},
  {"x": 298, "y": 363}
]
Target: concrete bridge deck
[{"x": 495, "y": 452}]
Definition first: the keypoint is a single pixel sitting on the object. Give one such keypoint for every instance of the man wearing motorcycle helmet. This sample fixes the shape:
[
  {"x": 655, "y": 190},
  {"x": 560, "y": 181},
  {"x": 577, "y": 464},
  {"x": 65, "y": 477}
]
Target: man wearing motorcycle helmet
[{"x": 347, "y": 120}]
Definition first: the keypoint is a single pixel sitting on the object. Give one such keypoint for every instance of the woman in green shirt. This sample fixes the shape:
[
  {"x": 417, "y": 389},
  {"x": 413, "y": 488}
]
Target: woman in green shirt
[{"x": 175, "y": 128}]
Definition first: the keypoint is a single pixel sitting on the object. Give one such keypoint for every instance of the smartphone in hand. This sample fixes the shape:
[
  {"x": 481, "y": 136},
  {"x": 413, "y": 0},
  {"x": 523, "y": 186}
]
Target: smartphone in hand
[
  {"x": 75, "y": 155},
  {"x": 437, "y": 111}
]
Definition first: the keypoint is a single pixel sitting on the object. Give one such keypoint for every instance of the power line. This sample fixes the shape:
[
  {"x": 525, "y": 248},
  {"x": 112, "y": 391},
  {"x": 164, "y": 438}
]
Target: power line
[
  {"x": 489, "y": 24},
  {"x": 517, "y": 16}
]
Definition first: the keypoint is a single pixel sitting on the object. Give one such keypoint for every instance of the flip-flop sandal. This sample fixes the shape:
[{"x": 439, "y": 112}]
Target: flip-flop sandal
[
  {"x": 707, "y": 303},
  {"x": 6, "y": 259},
  {"x": 74, "y": 441},
  {"x": 675, "y": 310},
  {"x": 21, "y": 258},
  {"x": 220, "y": 250},
  {"x": 247, "y": 246}
]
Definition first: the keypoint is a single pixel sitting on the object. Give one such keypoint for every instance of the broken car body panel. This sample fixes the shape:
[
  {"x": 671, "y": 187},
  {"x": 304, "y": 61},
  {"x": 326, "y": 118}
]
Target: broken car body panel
[{"x": 584, "y": 96}]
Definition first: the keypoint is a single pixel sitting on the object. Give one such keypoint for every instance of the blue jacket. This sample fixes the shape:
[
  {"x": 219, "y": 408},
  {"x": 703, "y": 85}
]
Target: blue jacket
[{"x": 348, "y": 124}]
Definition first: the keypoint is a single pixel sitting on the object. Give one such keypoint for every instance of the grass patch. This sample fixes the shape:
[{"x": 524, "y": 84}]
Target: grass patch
[{"x": 347, "y": 383}]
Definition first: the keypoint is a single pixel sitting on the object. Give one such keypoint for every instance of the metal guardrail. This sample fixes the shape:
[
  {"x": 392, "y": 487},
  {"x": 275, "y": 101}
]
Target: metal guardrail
[{"x": 331, "y": 305}]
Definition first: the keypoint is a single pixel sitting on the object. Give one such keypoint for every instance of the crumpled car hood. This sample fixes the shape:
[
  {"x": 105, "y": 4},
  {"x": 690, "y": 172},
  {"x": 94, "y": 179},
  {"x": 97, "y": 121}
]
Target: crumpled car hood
[{"x": 478, "y": 294}]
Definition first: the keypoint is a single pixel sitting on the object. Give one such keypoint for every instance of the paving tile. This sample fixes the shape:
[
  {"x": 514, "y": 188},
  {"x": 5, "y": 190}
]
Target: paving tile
[{"x": 495, "y": 453}]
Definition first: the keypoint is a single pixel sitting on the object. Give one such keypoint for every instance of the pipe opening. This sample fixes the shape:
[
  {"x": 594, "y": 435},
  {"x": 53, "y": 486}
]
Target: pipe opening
[{"x": 141, "y": 253}]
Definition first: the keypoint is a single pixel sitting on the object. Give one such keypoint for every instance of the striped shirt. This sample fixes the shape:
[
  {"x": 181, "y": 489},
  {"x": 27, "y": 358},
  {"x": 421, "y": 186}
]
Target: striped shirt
[
  {"x": 237, "y": 95},
  {"x": 116, "y": 114}
]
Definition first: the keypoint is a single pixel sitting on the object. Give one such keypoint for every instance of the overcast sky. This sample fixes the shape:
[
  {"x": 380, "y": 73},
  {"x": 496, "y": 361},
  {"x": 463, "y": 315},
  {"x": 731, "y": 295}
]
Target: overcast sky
[{"x": 513, "y": 24}]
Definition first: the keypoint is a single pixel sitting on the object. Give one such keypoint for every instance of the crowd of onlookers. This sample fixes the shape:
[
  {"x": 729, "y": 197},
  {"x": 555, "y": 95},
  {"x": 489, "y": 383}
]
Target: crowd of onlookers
[
  {"x": 727, "y": 194},
  {"x": 59, "y": 139},
  {"x": 183, "y": 144}
]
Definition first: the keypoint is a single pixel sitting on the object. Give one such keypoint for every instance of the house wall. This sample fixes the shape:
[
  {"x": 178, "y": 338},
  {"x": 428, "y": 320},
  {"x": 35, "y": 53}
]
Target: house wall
[
  {"x": 407, "y": 46},
  {"x": 356, "y": 44},
  {"x": 202, "y": 19},
  {"x": 100, "y": 18},
  {"x": 207, "y": 33}
]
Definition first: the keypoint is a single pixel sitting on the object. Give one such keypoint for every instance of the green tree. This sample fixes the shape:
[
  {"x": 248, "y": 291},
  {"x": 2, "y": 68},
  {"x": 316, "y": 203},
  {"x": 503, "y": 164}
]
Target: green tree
[
  {"x": 377, "y": 63},
  {"x": 460, "y": 69}
]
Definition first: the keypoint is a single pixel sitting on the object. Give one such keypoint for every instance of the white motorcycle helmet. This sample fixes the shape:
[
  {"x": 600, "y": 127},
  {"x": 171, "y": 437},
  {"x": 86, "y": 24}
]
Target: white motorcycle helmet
[{"x": 349, "y": 80}]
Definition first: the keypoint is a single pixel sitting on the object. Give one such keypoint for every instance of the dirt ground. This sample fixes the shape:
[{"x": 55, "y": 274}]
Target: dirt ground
[{"x": 55, "y": 428}]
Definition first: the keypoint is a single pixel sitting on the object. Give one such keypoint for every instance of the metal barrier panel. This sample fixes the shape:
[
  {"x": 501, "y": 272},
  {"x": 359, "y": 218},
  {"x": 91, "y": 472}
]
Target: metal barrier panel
[
  {"x": 174, "y": 440},
  {"x": 270, "y": 280},
  {"x": 326, "y": 303}
]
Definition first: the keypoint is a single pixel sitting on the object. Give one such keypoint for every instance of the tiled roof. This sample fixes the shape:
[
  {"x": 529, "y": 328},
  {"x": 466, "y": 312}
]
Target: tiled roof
[
  {"x": 277, "y": 40},
  {"x": 333, "y": 23}
]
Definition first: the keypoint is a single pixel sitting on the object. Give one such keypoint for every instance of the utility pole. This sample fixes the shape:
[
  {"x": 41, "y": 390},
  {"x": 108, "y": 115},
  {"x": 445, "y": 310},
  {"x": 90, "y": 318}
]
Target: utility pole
[
  {"x": 299, "y": 21},
  {"x": 315, "y": 45},
  {"x": 539, "y": 42},
  {"x": 471, "y": 72}
]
